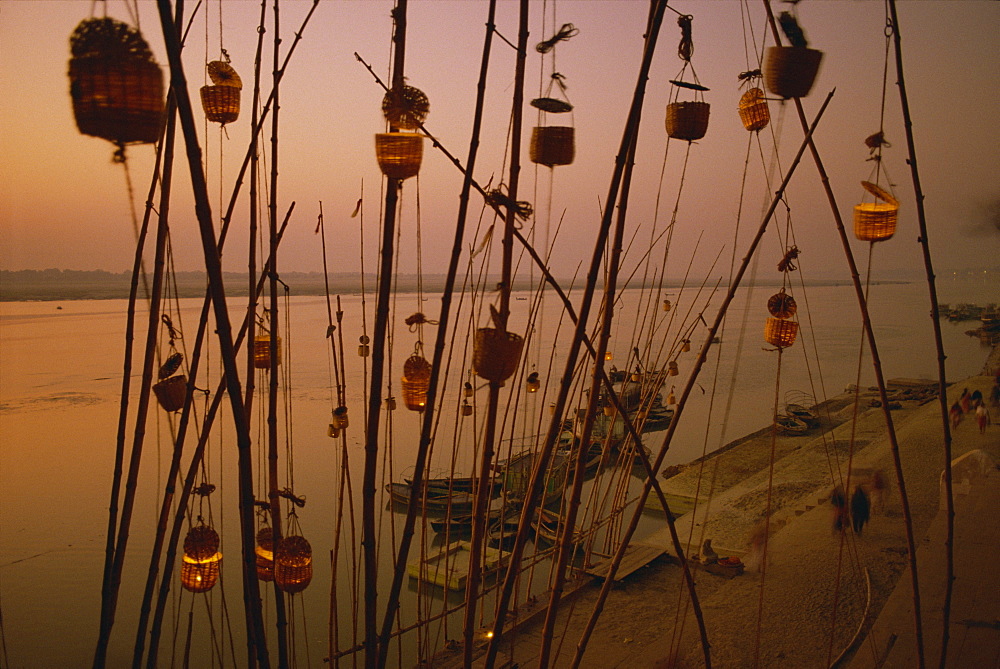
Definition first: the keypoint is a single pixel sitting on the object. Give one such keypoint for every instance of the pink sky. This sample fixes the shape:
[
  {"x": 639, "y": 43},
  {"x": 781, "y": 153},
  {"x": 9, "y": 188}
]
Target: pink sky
[{"x": 64, "y": 204}]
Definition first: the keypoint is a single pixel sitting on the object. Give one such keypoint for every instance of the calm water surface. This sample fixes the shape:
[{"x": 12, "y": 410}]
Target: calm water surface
[{"x": 60, "y": 379}]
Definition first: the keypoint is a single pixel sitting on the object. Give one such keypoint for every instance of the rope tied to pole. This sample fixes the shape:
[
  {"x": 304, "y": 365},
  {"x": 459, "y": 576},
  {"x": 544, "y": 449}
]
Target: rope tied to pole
[
  {"x": 567, "y": 31},
  {"x": 498, "y": 198}
]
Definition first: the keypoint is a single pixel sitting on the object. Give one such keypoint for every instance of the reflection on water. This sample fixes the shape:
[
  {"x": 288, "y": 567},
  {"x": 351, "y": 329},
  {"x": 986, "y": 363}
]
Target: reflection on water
[{"x": 59, "y": 401}]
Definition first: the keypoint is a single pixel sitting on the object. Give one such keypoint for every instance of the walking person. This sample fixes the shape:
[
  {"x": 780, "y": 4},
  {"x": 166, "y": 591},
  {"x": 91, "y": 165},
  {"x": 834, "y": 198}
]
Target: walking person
[
  {"x": 860, "y": 509},
  {"x": 956, "y": 415},
  {"x": 982, "y": 418}
]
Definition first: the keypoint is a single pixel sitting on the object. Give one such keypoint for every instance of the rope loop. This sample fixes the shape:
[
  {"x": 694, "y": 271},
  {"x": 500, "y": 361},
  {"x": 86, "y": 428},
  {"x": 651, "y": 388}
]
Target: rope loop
[
  {"x": 686, "y": 47},
  {"x": 173, "y": 332},
  {"x": 291, "y": 497},
  {"x": 567, "y": 31},
  {"x": 418, "y": 319}
]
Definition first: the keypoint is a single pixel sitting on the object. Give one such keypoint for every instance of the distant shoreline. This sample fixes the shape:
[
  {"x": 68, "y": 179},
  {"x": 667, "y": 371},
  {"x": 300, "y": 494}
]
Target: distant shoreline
[{"x": 53, "y": 285}]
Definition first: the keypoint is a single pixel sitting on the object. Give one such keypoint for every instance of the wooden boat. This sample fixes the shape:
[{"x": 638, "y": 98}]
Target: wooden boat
[
  {"x": 791, "y": 425},
  {"x": 808, "y": 416},
  {"x": 436, "y": 499},
  {"x": 548, "y": 526},
  {"x": 449, "y": 568}
]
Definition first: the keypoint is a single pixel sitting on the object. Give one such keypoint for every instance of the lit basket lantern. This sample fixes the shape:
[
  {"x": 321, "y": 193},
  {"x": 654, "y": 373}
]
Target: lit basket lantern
[
  {"x": 332, "y": 431},
  {"x": 170, "y": 392},
  {"x": 687, "y": 120},
  {"x": 672, "y": 369},
  {"x": 533, "y": 383},
  {"x": 753, "y": 110},
  {"x": 607, "y": 355},
  {"x": 262, "y": 351},
  {"x": 116, "y": 86},
  {"x": 609, "y": 410},
  {"x": 552, "y": 145},
  {"x": 363, "y": 349},
  {"x": 466, "y": 408},
  {"x": 221, "y": 101},
  {"x": 666, "y": 305},
  {"x": 399, "y": 154},
  {"x": 496, "y": 354},
  {"x": 781, "y": 305},
  {"x": 340, "y": 420},
  {"x": 416, "y": 381},
  {"x": 780, "y": 332},
  {"x": 264, "y": 552},
  {"x": 200, "y": 575},
  {"x": 789, "y": 71},
  {"x": 685, "y": 345},
  {"x": 200, "y": 567},
  {"x": 876, "y": 221},
  {"x": 468, "y": 390},
  {"x": 293, "y": 569}
]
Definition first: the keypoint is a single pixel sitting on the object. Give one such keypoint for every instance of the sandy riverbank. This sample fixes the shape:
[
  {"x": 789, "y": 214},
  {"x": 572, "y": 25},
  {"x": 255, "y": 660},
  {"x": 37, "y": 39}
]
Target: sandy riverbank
[{"x": 640, "y": 626}]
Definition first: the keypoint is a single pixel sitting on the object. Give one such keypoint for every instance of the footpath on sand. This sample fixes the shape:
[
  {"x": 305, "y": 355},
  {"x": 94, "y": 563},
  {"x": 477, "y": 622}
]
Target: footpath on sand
[{"x": 822, "y": 590}]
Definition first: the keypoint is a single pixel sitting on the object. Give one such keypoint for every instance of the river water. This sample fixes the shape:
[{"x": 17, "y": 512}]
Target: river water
[{"x": 60, "y": 380}]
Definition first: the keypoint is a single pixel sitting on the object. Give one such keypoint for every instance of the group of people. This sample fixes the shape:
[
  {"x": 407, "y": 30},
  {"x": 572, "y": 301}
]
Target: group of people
[
  {"x": 857, "y": 510},
  {"x": 973, "y": 403}
]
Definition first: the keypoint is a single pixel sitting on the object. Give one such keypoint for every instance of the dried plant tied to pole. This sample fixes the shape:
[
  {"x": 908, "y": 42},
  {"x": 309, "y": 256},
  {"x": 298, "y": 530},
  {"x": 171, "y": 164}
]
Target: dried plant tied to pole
[{"x": 405, "y": 107}]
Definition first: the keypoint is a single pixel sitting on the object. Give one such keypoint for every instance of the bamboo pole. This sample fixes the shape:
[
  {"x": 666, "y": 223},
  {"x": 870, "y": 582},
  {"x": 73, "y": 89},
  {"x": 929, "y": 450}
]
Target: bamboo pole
[
  {"x": 541, "y": 463},
  {"x": 194, "y": 467},
  {"x": 439, "y": 344},
  {"x": 369, "y": 540},
  {"x": 280, "y": 623},
  {"x": 939, "y": 345},
  {"x": 876, "y": 364},
  {"x": 213, "y": 266},
  {"x": 685, "y": 393},
  {"x": 485, "y": 488}
]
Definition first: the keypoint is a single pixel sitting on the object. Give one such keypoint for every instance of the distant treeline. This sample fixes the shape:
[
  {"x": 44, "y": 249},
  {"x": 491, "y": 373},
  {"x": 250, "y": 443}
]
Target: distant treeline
[
  {"x": 68, "y": 284},
  {"x": 65, "y": 284}
]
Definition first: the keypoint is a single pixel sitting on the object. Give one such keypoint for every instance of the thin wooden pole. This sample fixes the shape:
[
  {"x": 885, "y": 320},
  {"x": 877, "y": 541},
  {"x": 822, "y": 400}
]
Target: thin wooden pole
[
  {"x": 949, "y": 545},
  {"x": 542, "y": 461},
  {"x": 485, "y": 489},
  {"x": 439, "y": 345},
  {"x": 876, "y": 364},
  {"x": 369, "y": 540},
  {"x": 193, "y": 468},
  {"x": 213, "y": 266},
  {"x": 685, "y": 393}
]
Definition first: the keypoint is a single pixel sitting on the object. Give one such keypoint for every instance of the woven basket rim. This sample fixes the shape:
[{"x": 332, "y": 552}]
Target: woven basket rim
[{"x": 880, "y": 193}]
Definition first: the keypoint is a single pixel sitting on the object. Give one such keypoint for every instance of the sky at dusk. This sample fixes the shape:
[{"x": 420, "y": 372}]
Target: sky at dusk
[{"x": 64, "y": 204}]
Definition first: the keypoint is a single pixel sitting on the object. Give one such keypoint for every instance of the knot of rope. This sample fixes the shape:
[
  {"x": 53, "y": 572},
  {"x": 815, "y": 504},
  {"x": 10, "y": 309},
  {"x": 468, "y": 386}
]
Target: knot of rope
[
  {"x": 290, "y": 496},
  {"x": 225, "y": 54},
  {"x": 497, "y": 198},
  {"x": 118, "y": 157},
  {"x": 876, "y": 141},
  {"x": 205, "y": 489},
  {"x": 567, "y": 31},
  {"x": 171, "y": 330},
  {"x": 686, "y": 47},
  {"x": 417, "y": 320},
  {"x": 786, "y": 264}
]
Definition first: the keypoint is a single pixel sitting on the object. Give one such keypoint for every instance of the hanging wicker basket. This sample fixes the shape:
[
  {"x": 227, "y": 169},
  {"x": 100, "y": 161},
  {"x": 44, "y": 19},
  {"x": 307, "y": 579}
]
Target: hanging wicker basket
[
  {"x": 293, "y": 569},
  {"x": 466, "y": 408},
  {"x": 672, "y": 369},
  {"x": 496, "y": 354},
  {"x": 221, "y": 103},
  {"x": 415, "y": 382},
  {"x": 399, "y": 154},
  {"x": 170, "y": 392},
  {"x": 262, "y": 351},
  {"x": 687, "y": 120},
  {"x": 264, "y": 555},
  {"x": 780, "y": 332},
  {"x": 116, "y": 86},
  {"x": 340, "y": 420},
  {"x": 200, "y": 575},
  {"x": 201, "y": 542},
  {"x": 666, "y": 305},
  {"x": 753, "y": 110},
  {"x": 876, "y": 221},
  {"x": 789, "y": 71},
  {"x": 553, "y": 145},
  {"x": 781, "y": 305}
]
